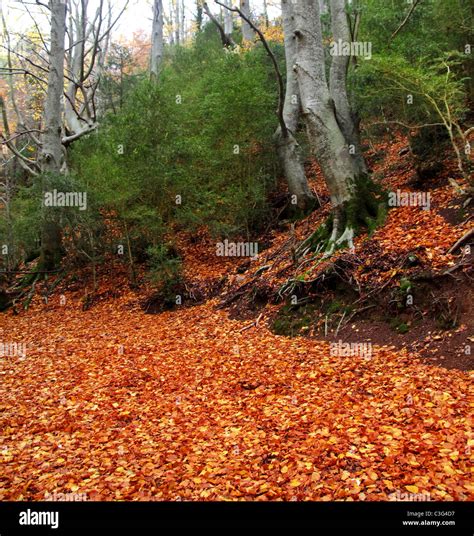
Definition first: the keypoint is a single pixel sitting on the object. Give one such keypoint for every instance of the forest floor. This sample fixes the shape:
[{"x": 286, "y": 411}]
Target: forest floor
[{"x": 209, "y": 403}]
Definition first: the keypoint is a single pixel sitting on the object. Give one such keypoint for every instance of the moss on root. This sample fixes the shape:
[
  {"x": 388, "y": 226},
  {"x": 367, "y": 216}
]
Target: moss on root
[{"x": 366, "y": 209}]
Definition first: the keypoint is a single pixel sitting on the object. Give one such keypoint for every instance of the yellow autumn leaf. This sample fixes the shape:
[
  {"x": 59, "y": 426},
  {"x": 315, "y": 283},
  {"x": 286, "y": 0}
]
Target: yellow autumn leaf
[
  {"x": 448, "y": 469},
  {"x": 412, "y": 489}
]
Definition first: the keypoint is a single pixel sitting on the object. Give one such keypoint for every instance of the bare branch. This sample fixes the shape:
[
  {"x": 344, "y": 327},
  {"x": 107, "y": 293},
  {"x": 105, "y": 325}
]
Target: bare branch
[
  {"x": 24, "y": 161},
  {"x": 227, "y": 40},
  {"x": 66, "y": 140},
  {"x": 405, "y": 20}
]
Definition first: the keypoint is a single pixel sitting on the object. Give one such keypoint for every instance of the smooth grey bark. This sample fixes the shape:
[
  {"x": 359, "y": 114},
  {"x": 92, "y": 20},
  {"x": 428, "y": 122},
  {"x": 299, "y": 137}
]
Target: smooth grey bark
[
  {"x": 228, "y": 20},
  {"x": 247, "y": 32},
  {"x": 289, "y": 151},
  {"x": 338, "y": 83},
  {"x": 326, "y": 139},
  {"x": 77, "y": 34},
  {"x": 51, "y": 158},
  {"x": 51, "y": 153},
  {"x": 156, "y": 38}
]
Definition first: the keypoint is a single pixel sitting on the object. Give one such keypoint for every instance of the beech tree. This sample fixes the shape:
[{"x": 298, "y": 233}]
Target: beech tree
[
  {"x": 353, "y": 194},
  {"x": 156, "y": 38},
  {"x": 247, "y": 32},
  {"x": 288, "y": 112},
  {"x": 337, "y": 82},
  {"x": 288, "y": 148},
  {"x": 228, "y": 20},
  {"x": 51, "y": 158},
  {"x": 68, "y": 71}
]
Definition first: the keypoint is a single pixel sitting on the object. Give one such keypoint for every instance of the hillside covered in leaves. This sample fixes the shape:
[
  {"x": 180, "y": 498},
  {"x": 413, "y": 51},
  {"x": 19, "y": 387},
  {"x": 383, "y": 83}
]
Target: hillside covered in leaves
[{"x": 236, "y": 261}]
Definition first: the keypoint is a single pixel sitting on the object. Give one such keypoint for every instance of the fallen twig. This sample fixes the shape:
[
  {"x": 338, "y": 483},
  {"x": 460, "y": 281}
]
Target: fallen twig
[{"x": 254, "y": 323}]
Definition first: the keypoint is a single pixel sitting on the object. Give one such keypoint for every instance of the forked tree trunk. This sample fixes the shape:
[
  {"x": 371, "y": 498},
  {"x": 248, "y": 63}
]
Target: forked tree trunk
[
  {"x": 289, "y": 150},
  {"x": 338, "y": 83},
  {"x": 156, "y": 38},
  {"x": 51, "y": 157},
  {"x": 352, "y": 192}
]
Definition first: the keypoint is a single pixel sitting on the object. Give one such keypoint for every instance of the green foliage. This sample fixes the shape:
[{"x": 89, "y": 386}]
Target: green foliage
[
  {"x": 118, "y": 79},
  {"x": 405, "y": 285},
  {"x": 414, "y": 92},
  {"x": 420, "y": 75},
  {"x": 164, "y": 265},
  {"x": 194, "y": 148},
  {"x": 21, "y": 231},
  {"x": 29, "y": 211}
]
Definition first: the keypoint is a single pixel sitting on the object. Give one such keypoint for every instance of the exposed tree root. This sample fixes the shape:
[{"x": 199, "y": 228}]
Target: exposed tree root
[{"x": 366, "y": 210}]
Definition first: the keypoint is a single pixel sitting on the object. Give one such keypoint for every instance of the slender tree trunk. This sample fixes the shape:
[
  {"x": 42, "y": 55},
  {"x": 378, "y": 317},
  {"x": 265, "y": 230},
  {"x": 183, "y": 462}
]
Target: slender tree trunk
[
  {"x": 51, "y": 157},
  {"x": 265, "y": 13},
  {"x": 176, "y": 21},
  {"x": 338, "y": 83},
  {"x": 182, "y": 24},
  {"x": 228, "y": 20},
  {"x": 77, "y": 31},
  {"x": 289, "y": 150},
  {"x": 352, "y": 193},
  {"x": 156, "y": 38},
  {"x": 199, "y": 15},
  {"x": 227, "y": 40},
  {"x": 247, "y": 32}
]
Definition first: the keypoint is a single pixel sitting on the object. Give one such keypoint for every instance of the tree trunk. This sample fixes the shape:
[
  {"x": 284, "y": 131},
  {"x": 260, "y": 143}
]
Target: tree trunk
[
  {"x": 228, "y": 20},
  {"x": 51, "y": 157},
  {"x": 77, "y": 32},
  {"x": 289, "y": 150},
  {"x": 352, "y": 192},
  {"x": 198, "y": 15},
  {"x": 182, "y": 24},
  {"x": 247, "y": 32},
  {"x": 265, "y": 14},
  {"x": 338, "y": 85},
  {"x": 226, "y": 40},
  {"x": 176, "y": 21},
  {"x": 156, "y": 38}
]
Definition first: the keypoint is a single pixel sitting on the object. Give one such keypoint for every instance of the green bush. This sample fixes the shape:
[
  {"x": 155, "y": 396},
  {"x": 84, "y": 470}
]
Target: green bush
[{"x": 195, "y": 148}]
